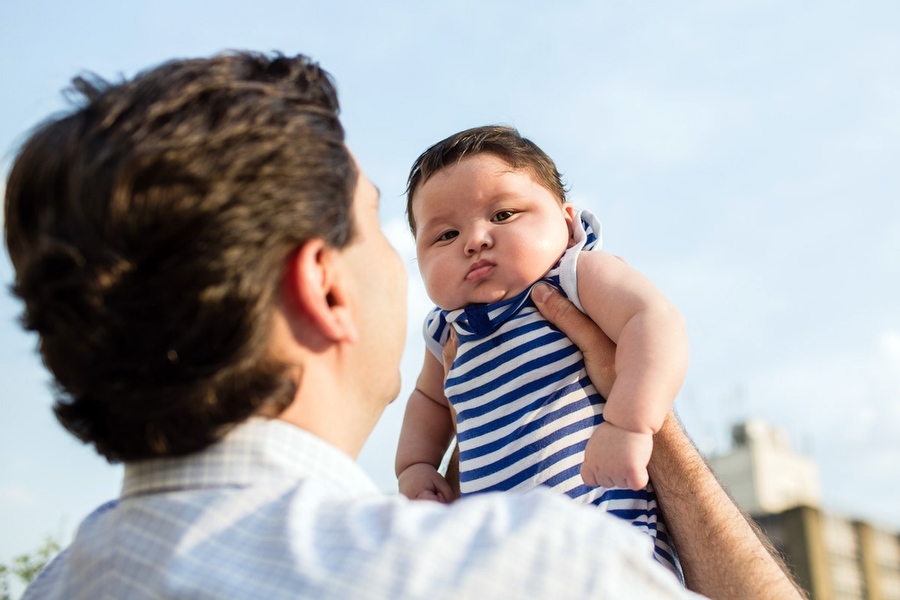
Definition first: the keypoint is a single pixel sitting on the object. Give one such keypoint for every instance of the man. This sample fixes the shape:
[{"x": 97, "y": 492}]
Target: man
[{"x": 200, "y": 256}]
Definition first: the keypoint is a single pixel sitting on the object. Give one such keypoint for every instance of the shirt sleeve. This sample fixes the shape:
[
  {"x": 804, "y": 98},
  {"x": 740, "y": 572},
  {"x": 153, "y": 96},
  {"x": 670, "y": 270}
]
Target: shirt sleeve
[
  {"x": 436, "y": 331},
  {"x": 588, "y": 235}
]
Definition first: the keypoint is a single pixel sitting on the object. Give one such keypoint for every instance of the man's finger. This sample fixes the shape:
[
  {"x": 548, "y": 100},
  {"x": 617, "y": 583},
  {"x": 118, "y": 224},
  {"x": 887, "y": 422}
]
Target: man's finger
[
  {"x": 449, "y": 352},
  {"x": 577, "y": 326},
  {"x": 598, "y": 350}
]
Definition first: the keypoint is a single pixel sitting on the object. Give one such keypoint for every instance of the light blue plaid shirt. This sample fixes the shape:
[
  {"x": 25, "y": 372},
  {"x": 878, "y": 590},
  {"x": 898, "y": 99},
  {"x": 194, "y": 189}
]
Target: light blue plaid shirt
[{"x": 272, "y": 511}]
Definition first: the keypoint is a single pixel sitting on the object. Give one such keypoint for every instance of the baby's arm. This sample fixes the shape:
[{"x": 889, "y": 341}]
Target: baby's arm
[
  {"x": 425, "y": 436},
  {"x": 651, "y": 361}
]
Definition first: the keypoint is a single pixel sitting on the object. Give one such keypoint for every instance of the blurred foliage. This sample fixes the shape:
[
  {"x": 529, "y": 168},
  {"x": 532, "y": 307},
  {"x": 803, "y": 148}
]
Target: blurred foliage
[{"x": 26, "y": 566}]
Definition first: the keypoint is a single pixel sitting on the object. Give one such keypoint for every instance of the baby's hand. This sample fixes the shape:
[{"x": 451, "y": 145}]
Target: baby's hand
[
  {"x": 616, "y": 457},
  {"x": 421, "y": 481}
]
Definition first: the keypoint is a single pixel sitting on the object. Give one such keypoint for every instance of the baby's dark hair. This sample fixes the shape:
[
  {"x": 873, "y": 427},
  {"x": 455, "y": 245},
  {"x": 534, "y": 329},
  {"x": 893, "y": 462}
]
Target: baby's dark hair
[{"x": 505, "y": 142}]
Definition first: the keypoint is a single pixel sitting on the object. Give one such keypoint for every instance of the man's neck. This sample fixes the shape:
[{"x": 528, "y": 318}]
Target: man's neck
[{"x": 327, "y": 406}]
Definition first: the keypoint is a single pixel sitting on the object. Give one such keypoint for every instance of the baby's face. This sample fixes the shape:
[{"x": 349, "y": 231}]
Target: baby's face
[{"x": 485, "y": 232}]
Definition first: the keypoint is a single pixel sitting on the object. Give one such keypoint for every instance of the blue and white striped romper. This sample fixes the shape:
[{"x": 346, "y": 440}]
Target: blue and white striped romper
[{"x": 524, "y": 403}]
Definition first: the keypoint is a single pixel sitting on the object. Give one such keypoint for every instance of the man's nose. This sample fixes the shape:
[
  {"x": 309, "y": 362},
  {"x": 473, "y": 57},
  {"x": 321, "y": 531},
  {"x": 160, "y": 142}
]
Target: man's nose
[{"x": 479, "y": 239}]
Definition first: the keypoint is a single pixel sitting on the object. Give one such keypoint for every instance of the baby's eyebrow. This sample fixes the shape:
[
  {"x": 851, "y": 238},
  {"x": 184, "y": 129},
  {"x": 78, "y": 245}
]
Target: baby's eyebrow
[
  {"x": 426, "y": 225},
  {"x": 435, "y": 222}
]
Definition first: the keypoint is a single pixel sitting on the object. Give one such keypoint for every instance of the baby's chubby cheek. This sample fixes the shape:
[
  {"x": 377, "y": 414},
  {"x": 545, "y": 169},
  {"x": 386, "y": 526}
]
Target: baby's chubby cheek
[{"x": 437, "y": 286}]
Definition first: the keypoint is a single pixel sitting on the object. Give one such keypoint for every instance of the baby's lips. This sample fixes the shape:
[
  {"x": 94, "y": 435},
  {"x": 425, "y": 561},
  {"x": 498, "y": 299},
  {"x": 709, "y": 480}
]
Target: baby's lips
[{"x": 479, "y": 270}]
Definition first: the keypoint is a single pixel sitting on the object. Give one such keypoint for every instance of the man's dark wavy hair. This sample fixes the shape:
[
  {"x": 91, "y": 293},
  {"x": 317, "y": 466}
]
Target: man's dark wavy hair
[
  {"x": 500, "y": 140},
  {"x": 149, "y": 230}
]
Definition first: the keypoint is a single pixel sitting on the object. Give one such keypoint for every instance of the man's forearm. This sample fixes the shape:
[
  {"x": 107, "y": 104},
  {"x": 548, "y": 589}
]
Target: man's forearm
[{"x": 722, "y": 552}]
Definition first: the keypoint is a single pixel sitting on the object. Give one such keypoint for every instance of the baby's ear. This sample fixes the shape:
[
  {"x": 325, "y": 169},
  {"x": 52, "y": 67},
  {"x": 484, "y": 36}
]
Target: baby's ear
[{"x": 569, "y": 214}]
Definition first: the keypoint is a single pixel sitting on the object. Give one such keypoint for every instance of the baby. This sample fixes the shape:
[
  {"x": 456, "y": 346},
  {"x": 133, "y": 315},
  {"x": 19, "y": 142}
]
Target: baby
[{"x": 490, "y": 218}]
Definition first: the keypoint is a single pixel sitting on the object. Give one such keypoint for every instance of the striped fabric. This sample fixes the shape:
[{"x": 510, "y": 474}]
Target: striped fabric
[{"x": 525, "y": 405}]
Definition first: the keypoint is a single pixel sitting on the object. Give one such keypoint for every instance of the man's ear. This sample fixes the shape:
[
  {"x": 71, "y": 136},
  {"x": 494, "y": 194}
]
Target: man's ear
[{"x": 315, "y": 285}]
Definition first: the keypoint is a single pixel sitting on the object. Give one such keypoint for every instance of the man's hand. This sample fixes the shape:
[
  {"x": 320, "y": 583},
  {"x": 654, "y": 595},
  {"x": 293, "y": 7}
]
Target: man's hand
[
  {"x": 722, "y": 553},
  {"x": 614, "y": 457},
  {"x": 421, "y": 481},
  {"x": 599, "y": 351}
]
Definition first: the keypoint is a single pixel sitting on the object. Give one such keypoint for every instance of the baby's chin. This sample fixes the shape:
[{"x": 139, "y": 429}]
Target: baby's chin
[{"x": 486, "y": 297}]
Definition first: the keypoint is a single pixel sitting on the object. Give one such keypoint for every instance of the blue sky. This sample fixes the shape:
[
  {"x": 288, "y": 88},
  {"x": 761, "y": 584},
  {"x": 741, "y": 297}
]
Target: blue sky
[{"x": 742, "y": 154}]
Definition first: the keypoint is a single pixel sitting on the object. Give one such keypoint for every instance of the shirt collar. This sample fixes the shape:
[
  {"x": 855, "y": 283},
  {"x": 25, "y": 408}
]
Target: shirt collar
[{"x": 257, "y": 451}]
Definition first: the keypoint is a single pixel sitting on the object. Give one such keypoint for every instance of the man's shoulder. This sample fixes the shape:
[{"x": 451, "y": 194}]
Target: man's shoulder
[
  {"x": 561, "y": 548},
  {"x": 312, "y": 539}
]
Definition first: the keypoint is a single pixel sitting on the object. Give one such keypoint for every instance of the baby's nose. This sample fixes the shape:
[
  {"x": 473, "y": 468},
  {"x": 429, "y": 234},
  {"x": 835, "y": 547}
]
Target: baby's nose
[{"x": 477, "y": 243}]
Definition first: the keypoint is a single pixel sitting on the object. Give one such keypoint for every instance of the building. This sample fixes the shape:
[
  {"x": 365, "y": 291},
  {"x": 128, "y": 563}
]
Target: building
[
  {"x": 833, "y": 557},
  {"x": 763, "y": 474}
]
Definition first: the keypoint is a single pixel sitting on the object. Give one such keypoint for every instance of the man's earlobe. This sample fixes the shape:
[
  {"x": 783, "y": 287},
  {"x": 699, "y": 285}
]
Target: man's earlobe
[{"x": 315, "y": 286}]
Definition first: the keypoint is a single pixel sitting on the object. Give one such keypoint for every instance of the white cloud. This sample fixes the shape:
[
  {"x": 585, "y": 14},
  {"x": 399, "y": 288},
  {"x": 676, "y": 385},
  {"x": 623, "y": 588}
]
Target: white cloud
[
  {"x": 829, "y": 394},
  {"x": 397, "y": 232},
  {"x": 15, "y": 494},
  {"x": 890, "y": 344},
  {"x": 888, "y": 383}
]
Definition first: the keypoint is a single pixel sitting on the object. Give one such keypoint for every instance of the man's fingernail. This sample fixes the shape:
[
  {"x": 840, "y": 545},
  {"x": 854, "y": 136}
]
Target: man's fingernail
[{"x": 541, "y": 292}]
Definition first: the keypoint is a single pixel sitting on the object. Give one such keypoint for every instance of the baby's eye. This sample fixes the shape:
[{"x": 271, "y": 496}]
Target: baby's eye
[
  {"x": 502, "y": 216},
  {"x": 447, "y": 235}
]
